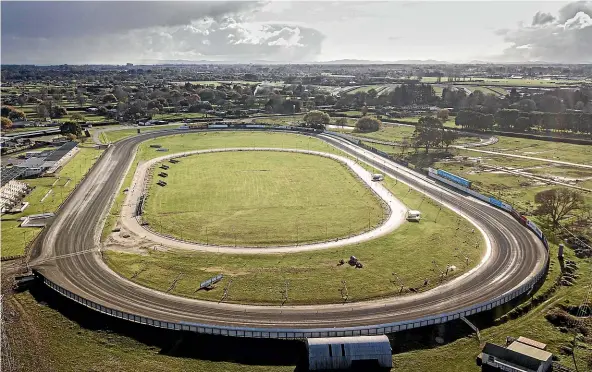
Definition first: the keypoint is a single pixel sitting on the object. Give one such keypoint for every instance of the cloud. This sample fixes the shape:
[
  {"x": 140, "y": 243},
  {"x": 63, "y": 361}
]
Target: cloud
[
  {"x": 541, "y": 18},
  {"x": 213, "y": 31},
  {"x": 66, "y": 18},
  {"x": 566, "y": 38}
]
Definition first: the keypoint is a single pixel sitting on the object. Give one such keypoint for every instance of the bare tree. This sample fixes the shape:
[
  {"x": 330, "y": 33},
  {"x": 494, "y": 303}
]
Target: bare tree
[
  {"x": 405, "y": 145},
  {"x": 556, "y": 204},
  {"x": 341, "y": 122}
]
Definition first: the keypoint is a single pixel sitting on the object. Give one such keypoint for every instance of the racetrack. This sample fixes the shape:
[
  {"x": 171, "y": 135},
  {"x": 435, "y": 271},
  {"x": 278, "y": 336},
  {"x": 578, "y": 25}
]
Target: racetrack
[{"x": 66, "y": 255}]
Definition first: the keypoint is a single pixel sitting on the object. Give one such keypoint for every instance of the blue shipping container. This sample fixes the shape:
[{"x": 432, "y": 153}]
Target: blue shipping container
[{"x": 454, "y": 178}]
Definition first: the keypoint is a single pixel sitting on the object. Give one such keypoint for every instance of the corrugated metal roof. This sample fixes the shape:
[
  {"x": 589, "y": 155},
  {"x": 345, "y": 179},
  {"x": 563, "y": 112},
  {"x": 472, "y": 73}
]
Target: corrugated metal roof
[
  {"x": 346, "y": 340},
  {"x": 512, "y": 356},
  {"x": 341, "y": 352},
  {"x": 531, "y": 351},
  {"x": 532, "y": 343},
  {"x": 63, "y": 150},
  {"x": 9, "y": 174},
  {"x": 32, "y": 163}
]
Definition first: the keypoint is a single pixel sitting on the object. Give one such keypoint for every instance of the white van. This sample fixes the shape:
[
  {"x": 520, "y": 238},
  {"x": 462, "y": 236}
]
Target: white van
[{"x": 413, "y": 215}]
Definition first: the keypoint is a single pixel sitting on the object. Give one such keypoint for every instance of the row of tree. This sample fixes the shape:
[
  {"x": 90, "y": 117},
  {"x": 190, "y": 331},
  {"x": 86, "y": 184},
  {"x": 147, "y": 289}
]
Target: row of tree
[
  {"x": 523, "y": 121},
  {"x": 402, "y": 95}
]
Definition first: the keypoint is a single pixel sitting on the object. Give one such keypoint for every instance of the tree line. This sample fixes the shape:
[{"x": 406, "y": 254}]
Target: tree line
[{"x": 523, "y": 121}]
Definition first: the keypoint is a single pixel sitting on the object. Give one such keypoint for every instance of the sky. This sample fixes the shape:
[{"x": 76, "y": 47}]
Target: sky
[{"x": 117, "y": 32}]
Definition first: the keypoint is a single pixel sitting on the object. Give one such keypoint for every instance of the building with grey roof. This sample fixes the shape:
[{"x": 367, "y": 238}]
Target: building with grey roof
[
  {"x": 517, "y": 357},
  {"x": 346, "y": 352}
]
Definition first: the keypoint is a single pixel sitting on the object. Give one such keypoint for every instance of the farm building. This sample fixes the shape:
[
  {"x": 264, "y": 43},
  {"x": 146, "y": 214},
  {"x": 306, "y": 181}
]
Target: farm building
[
  {"x": 522, "y": 355},
  {"x": 345, "y": 352}
]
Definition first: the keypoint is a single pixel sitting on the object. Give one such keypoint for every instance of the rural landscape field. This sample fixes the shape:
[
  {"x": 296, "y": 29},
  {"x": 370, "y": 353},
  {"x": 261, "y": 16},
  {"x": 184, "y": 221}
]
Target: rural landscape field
[{"x": 296, "y": 186}]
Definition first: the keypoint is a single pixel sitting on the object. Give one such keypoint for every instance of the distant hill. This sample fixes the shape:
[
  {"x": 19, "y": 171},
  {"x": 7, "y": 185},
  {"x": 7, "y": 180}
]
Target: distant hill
[{"x": 398, "y": 62}]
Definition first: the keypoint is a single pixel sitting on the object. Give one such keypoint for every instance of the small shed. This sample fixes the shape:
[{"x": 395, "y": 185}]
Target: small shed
[
  {"x": 345, "y": 352},
  {"x": 516, "y": 357}
]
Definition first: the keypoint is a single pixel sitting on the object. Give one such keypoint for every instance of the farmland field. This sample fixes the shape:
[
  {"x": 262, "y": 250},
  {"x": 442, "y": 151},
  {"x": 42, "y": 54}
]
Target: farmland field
[
  {"x": 261, "y": 198},
  {"x": 580, "y": 154},
  {"x": 536, "y": 83}
]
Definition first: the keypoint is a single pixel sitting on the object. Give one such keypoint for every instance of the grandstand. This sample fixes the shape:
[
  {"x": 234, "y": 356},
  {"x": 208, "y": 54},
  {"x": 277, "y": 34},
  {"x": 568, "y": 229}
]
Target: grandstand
[
  {"x": 11, "y": 194},
  {"x": 11, "y": 173},
  {"x": 38, "y": 163}
]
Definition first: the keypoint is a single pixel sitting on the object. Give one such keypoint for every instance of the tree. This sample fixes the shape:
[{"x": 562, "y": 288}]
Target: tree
[
  {"x": 527, "y": 105},
  {"x": 71, "y": 128},
  {"x": 556, "y": 204},
  {"x": 367, "y": 124},
  {"x": 70, "y": 136},
  {"x": 443, "y": 115},
  {"x": 109, "y": 98},
  {"x": 13, "y": 113},
  {"x": 17, "y": 114},
  {"x": 316, "y": 119},
  {"x": 404, "y": 145},
  {"x": 448, "y": 137},
  {"x": 42, "y": 111},
  {"x": 506, "y": 119},
  {"x": 341, "y": 122},
  {"x": 77, "y": 116},
  {"x": 6, "y": 123},
  {"x": 428, "y": 132}
]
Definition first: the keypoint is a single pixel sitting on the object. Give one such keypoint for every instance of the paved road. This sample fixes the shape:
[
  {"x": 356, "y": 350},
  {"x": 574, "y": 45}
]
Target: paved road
[
  {"x": 131, "y": 223},
  {"x": 515, "y": 255}
]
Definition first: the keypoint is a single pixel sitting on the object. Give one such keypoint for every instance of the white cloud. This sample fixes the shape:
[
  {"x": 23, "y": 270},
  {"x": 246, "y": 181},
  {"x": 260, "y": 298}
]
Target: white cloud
[{"x": 566, "y": 38}]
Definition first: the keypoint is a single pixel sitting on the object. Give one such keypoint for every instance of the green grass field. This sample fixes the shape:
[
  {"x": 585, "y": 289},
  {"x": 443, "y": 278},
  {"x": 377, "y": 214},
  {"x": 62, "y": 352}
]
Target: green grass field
[
  {"x": 14, "y": 238},
  {"x": 580, "y": 154},
  {"x": 517, "y": 190},
  {"x": 366, "y": 88},
  {"x": 259, "y": 199},
  {"x": 396, "y": 133},
  {"x": 42, "y": 339}
]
